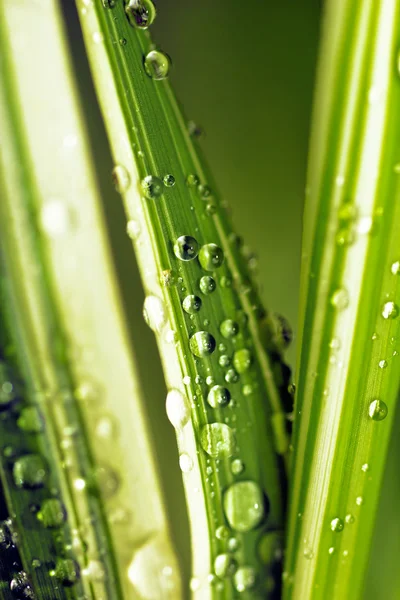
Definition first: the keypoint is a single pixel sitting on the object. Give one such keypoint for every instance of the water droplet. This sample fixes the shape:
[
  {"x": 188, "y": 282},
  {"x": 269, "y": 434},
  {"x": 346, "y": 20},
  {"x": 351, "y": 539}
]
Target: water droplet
[
  {"x": 109, "y": 3},
  {"x": 377, "y": 410},
  {"x": 192, "y": 180},
  {"x": 67, "y": 571},
  {"x": 217, "y": 440},
  {"x": 156, "y": 65},
  {"x": 345, "y": 236},
  {"x": 340, "y": 299},
  {"x": 229, "y": 328},
  {"x": 141, "y": 13},
  {"x": 122, "y": 41},
  {"x": 169, "y": 180},
  {"x": 359, "y": 500},
  {"x": 231, "y": 376},
  {"x": 185, "y": 462},
  {"x": 154, "y": 313},
  {"x": 244, "y": 505},
  {"x": 56, "y": 218},
  {"x": 30, "y": 420},
  {"x": 348, "y": 211},
  {"x": 211, "y": 209},
  {"x": 204, "y": 191},
  {"x": 94, "y": 571},
  {"x": 218, "y": 396},
  {"x": 364, "y": 225},
  {"x": 121, "y": 179},
  {"x": 29, "y": 471},
  {"x": 191, "y": 304},
  {"x": 202, "y": 344},
  {"x": 331, "y": 550},
  {"x": 52, "y": 513},
  {"x": 210, "y": 380},
  {"x": 21, "y": 588},
  {"x": 365, "y": 467},
  {"x": 395, "y": 268},
  {"x": 237, "y": 466},
  {"x": 383, "y": 364},
  {"x": 224, "y": 565},
  {"x": 349, "y": 519},
  {"x": 308, "y": 553},
  {"x": 242, "y": 360},
  {"x": 186, "y": 248},
  {"x": 337, "y": 524},
  {"x": 222, "y": 532},
  {"x": 270, "y": 547},
  {"x": 207, "y": 284},
  {"x": 104, "y": 480},
  {"x": 153, "y": 572},
  {"x": 390, "y": 310},
  {"x": 106, "y": 427},
  {"x": 244, "y": 579},
  {"x": 224, "y": 360},
  {"x": 178, "y": 409},
  {"x": 152, "y": 187},
  {"x": 211, "y": 257}
]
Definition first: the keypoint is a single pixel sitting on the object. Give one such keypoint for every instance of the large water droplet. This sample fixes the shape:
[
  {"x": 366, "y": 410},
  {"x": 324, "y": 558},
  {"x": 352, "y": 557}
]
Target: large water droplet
[
  {"x": 377, "y": 410},
  {"x": 207, "y": 284},
  {"x": 156, "y": 65},
  {"x": 337, "y": 524},
  {"x": 211, "y": 257},
  {"x": 244, "y": 505},
  {"x": 141, "y": 13},
  {"x": 218, "y": 396},
  {"x": 395, "y": 268},
  {"x": 217, "y": 440},
  {"x": 186, "y": 248},
  {"x": 52, "y": 513},
  {"x": 191, "y": 304},
  {"x": 229, "y": 328},
  {"x": 178, "y": 409},
  {"x": 152, "y": 187},
  {"x": 169, "y": 180},
  {"x": 202, "y": 344},
  {"x": 242, "y": 360},
  {"x": 244, "y": 579},
  {"x": 30, "y": 471},
  {"x": 224, "y": 565},
  {"x": 390, "y": 310},
  {"x": 237, "y": 466},
  {"x": 185, "y": 462},
  {"x": 154, "y": 313},
  {"x": 340, "y": 299},
  {"x": 153, "y": 571},
  {"x": 121, "y": 179}
]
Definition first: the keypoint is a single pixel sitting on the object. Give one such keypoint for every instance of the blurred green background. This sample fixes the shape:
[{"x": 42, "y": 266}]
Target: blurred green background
[{"x": 244, "y": 72}]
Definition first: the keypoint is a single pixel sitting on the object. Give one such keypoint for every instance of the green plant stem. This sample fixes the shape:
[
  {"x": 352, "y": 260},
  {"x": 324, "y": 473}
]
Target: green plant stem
[
  {"x": 148, "y": 137},
  {"x": 349, "y": 348}
]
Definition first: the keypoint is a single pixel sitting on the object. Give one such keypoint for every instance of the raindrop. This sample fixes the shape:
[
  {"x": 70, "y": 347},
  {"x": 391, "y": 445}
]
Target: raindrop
[
  {"x": 331, "y": 550},
  {"x": 244, "y": 579},
  {"x": 204, "y": 191},
  {"x": 152, "y": 187},
  {"x": 169, "y": 180},
  {"x": 218, "y": 396},
  {"x": 192, "y": 180},
  {"x": 207, "y": 285},
  {"x": 29, "y": 471},
  {"x": 224, "y": 360},
  {"x": 154, "y": 313},
  {"x": 229, "y": 328},
  {"x": 237, "y": 466},
  {"x": 67, "y": 571},
  {"x": 121, "y": 179},
  {"x": 156, "y": 65},
  {"x": 191, "y": 304},
  {"x": 21, "y": 588},
  {"x": 231, "y": 376},
  {"x": 141, "y": 13},
  {"x": 178, "y": 409},
  {"x": 349, "y": 519},
  {"x": 395, "y": 268},
  {"x": 224, "y": 565},
  {"x": 185, "y": 462},
  {"x": 30, "y": 420},
  {"x": 359, "y": 500},
  {"x": 390, "y": 310},
  {"x": 52, "y": 513},
  {"x": 186, "y": 248},
  {"x": 202, "y": 344},
  {"x": 242, "y": 360},
  {"x": 340, "y": 299},
  {"x": 308, "y": 553},
  {"x": 153, "y": 572},
  {"x": 345, "y": 237},
  {"x": 377, "y": 410},
  {"x": 222, "y": 532},
  {"x": 211, "y": 257},
  {"x": 365, "y": 467},
  {"x": 244, "y": 505},
  {"x": 109, "y": 3},
  {"x": 217, "y": 440},
  {"x": 337, "y": 524},
  {"x": 383, "y": 364}
]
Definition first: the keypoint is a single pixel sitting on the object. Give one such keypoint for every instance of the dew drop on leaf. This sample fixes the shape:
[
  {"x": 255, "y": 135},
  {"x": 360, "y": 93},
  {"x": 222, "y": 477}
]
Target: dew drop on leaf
[
  {"x": 186, "y": 248},
  {"x": 67, "y": 571},
  {"x": 224, "y": 565},
  {"x": 202, "y": 344},
  {"x": 211, "y": 257},
  {"x": 337, "y": 525},
  {"x": 218, "y": 396},
  {"x": 340, "y": 299},
  {"x": 191, "y": 304},
  {"x": 178, "y": 409},
  {"x": 390, "y": 310},
  {"x": 52, "y": 513},
  {"x": 207, "y": 285},
  {"x": 377, "y": 410},
  {"x": 140, "y": 13},
  {"x": 242, "y": 360},
  {"x": 217, "y": 440},
  {"x": 169, "y": 180},
  {"x": 229, "y": 328},
  {"x": 30, "y": 471},
  {"x": 244, "y": 505},
  {"x": 154, "y": 313},
  {"x": 185, "y": 463},
  {"x": 156, "y": 65},
  {"x": 152, "y": 187},
  {"x": 244, "y": 579},
  {"x": 121, "y": 179}
]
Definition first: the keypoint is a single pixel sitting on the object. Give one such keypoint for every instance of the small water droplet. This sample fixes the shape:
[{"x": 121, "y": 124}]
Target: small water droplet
[
  {"x": 224, "y": 565},
  {"x": 229, "y": 328},
  {"x": 218, "y": 396},
  {"x": 122, "y": 41},
  {"x": 211, "y": 257},
  {"x": 237, "y": 466},
  {"x": 67, "y": 571},
  {"x": 30, "y": 420},
  {"x": 140, "y": 13},
  {"x": 30, "y": 471},
  {"x": 156, "y": 65},
  {"x": 242, "y": 360},
  {"x": 121, "y": 179},
  {"x": 192, "y": 180},
  {"x": 153, "y": 572},
  {"x": 191, "y": 304},
  {"x": 204, "y": 191},
  {"x": 244, "y": 505},
  {"x": 222, "y": 532},
  {"x": 340, "y": 299},
  {"x": 152, "y": 187},
  {"x": 377, "y": 410},
  {"x": 202, "y": 344},
  {"x": 185, "y": 463},
  {"x": 169, "y": 180},
  {"x": 178, "y": 408},
  {"x": 348, "y": 212},
  {"x": 337, "y": 524},
  {"x": 133, "y": 229},
  {"x": 395, "y": 268},
  {"x": 244, "y": 579},
  {"x": 383, "y": 364},
  {"x": 224, "y": 360},
  {"x": 52, "y": 513},
  {"x": 217, "y": 440},
  {"x": 154, "y": 313},
  {"x": 231, "y": 376},
  {"x": 331, "y": 550},
  {"x": 186, "y": 248},
  {"x": 349, "y": 519},
  {"x": 207, "y": 285},
  {"x": 364, "y": 225},
  {"x": 365, "y": 467},
  {"x": 308, "y": 553},
  {"x": 109, "y": 3},
  {"x": 56, "y": 217},
  {"x": 390, "y": 310},
  {"x": 359, "y": 500}
]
